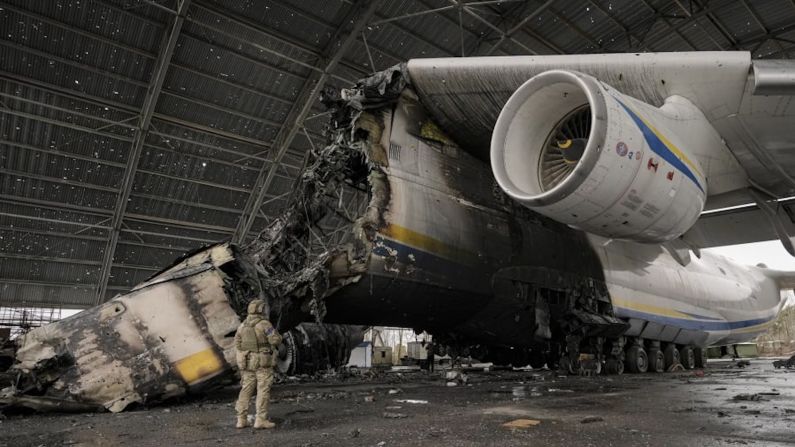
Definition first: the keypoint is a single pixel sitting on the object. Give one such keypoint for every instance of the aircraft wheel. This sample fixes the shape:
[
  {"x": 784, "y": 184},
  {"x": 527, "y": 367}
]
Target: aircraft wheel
[
  {"x": 701, "y": 357},
  {"x": 637, "y": 360},
  {"x": 687, "y": 357},
  {"x": 614, "y": 366},
  {"x": 656, "y": 361},
  {"x": 671, "y": 355}
]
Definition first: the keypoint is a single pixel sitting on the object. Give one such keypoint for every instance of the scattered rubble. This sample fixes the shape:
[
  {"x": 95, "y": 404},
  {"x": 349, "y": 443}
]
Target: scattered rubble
[
  {"x": 521, "y": 423},
  {"x": 752, "y": 397},
  {"x": 591, "y": 419},
  {"x": 392, "y": 415}
]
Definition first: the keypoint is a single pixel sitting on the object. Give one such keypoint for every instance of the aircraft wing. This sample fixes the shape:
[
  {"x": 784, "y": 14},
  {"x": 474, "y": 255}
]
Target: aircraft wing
[{"x": 750, "y": 103}]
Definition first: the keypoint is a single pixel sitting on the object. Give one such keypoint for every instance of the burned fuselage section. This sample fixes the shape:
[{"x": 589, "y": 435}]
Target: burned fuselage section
[
  {"x": 430, "y": 241},
  {"x": 390, "y": 224},
  {"x": 168, "y": 335}
]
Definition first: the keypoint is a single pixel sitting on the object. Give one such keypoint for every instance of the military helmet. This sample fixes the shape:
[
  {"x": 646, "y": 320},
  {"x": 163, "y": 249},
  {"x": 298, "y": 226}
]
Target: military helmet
[{"x": 256, "y": 307}]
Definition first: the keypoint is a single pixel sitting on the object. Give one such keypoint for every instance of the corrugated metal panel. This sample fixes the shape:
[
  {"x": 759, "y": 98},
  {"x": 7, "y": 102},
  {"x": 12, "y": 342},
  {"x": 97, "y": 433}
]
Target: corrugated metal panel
[
  {"x": 44, "y": 271},
  {"x": 35, "y": 295},
  {"x": 184, "y": 83},
  {"x": 125, "y": 27},
  {"x": 289, "y": 19},
  {"x": 51, "y": 245},
  {"x": 217, "y": 119},
  {"x": 203, "y": 144}
]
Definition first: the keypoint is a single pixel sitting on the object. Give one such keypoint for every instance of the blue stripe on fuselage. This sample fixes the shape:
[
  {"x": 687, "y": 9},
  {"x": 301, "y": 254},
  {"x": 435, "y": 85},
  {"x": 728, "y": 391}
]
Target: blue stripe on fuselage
[
  {"x": 690, "y": 324},
  {"x": 659, "y": 148}
]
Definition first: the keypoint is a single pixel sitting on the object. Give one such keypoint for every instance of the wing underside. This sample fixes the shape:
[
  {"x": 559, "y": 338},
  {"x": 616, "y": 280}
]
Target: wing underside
[{"x": 751, "y": 104}]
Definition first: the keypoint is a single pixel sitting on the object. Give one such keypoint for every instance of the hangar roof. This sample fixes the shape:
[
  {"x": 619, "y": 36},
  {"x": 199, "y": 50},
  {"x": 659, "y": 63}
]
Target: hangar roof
[{"x": 132, "y": 131}]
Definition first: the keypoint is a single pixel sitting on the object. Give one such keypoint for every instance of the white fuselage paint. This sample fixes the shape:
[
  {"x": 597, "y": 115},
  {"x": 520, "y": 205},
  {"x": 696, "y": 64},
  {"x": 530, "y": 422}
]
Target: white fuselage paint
[{"x": 710, "y": 301}]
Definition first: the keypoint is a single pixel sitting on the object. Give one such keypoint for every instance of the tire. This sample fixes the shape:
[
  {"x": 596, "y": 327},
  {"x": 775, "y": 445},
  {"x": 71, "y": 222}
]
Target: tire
[
  {"x": 637, "y": 360},
  {"x": 614, "y": 366},
  {"x": 671, "y": 355},
  {"x": 701, "y": 357},
  {"x": 687, "y": 357},
  {"x": 656, "y": 361}
]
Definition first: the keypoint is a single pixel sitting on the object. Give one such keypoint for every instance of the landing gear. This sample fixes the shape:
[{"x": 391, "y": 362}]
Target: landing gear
[
  {"x": 656, "y": 360},
  {"x": 614, "y": 366},
  {"x": 701, "y": 357},
  {"x": 671, "y": 355},
  {"x": 637, "y": 360},
  {"x": 687, "y": 357}
]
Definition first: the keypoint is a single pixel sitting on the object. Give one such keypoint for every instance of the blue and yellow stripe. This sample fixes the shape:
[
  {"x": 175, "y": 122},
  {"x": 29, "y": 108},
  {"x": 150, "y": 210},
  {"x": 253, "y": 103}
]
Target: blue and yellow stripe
[
  {"x": 684, "y": 320},
  {"x": 663, "y": 147}
]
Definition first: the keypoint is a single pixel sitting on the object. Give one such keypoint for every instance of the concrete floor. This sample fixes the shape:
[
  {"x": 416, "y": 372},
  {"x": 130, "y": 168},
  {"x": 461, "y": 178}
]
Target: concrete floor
[{"x": 683, "y": 409}]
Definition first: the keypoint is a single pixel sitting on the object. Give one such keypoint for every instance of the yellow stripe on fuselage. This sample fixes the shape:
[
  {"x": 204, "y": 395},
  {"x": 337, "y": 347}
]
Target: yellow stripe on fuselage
[
  {"x": 427, "y": 244},
  {"x": 672, "y": 147},
  {"x": 650, "y": 309},
  {"x": 198, "y": 366}
]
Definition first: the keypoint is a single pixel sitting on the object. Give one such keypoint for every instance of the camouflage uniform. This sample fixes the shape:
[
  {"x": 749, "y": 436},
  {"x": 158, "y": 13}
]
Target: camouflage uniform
[{"x": 255, "y": 341}]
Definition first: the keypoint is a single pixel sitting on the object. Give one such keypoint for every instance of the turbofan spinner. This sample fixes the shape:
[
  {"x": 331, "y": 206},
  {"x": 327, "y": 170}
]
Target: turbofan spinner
[{"x": 577, "y": 150}]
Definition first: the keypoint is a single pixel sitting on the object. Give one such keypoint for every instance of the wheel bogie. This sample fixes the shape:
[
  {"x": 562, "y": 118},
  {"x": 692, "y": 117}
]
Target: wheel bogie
[
  {"x": 656, "y": 360},
  {"x": 687, "y": 357},
  {"x": 701, "y": 357},
  {"x": 671, "y": 355},
  {"x": 637, "y": 360},
  {"x": 633, "y": 355},
  {"x": 614, "y": 366}
]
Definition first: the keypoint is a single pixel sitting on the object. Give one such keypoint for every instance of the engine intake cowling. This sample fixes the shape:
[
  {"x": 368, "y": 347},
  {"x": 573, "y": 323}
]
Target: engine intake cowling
[{"x": 575, "y": 149}]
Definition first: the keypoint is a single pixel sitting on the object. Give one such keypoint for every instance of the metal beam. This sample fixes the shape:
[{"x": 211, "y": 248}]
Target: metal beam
[
  {"x": 659, "y": 14},
  {"x": 148, "y": 110},
  {"x": 508, "y": 34},
  {"x": 626, "y": 30},
  {"x": 717, "y": 24},
  {"x": 108, "y": 214},
  {"x": 335, "y": 51},
  {"x": 34, "y": 258},
  {"x": 190, "y": 125},
  {"x": 29, "y": 282},
  {"x": 102, "y": 226},
  {"x": 194, "y": 127}
]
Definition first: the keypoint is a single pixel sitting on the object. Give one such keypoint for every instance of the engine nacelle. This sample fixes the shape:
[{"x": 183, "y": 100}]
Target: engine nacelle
[{"x": 577, "y": 150}]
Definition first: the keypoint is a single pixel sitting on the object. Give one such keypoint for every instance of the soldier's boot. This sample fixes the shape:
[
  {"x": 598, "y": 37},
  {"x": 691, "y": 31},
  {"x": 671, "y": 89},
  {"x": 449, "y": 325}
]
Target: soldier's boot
[
  {"x": 263, "y": 422},
  {"x": 242, "y": 422}
]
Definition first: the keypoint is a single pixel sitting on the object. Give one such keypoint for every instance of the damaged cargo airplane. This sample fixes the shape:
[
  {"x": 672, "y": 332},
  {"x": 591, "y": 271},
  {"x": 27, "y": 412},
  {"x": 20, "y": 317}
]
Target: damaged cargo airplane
[{"x": 531, "y": 209}]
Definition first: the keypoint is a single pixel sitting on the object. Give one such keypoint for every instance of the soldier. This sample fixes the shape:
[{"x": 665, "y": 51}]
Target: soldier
[{"x": 255, "y": 341}]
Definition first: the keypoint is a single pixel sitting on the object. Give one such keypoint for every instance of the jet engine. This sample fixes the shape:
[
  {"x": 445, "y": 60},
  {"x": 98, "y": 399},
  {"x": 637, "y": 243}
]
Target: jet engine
[{"x": 573, "y": 148}]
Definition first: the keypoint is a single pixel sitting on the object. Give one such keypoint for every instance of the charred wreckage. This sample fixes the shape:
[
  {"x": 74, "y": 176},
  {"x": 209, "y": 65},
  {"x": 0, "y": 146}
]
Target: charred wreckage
[{"x": 391, "y": 223}]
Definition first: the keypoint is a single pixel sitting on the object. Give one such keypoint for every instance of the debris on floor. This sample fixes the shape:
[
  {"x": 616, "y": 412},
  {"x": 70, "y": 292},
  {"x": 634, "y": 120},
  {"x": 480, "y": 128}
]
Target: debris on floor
[
  {"x": 754, "y": 396},
  {"x": 591, "y": 419},
  {"x": 455, "y": 378},
  {"x": 521, "y": 423},
  {"x": 392, "y": 415}
]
